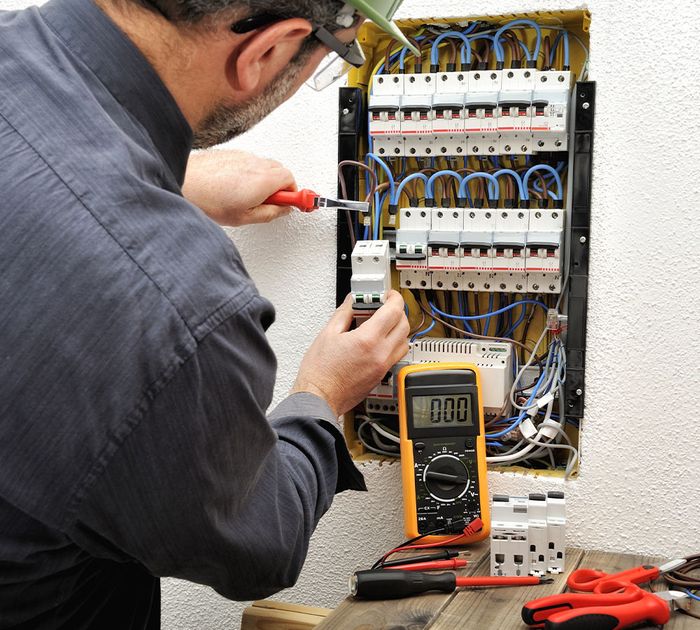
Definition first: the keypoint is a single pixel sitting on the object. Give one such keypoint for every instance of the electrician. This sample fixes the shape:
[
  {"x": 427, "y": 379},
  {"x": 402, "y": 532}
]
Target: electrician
[{"x": 134, "y": 369}]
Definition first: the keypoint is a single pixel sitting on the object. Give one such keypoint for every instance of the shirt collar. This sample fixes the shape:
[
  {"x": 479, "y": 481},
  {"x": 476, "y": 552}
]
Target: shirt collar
[{"x": 126, "y": 73}]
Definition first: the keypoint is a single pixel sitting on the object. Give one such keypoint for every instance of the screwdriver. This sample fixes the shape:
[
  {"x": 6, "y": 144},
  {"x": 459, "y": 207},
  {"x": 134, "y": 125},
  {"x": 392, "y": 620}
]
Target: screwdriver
[
  {"x": 382, "y": 584},
  {"x": 307, "y": 201}
]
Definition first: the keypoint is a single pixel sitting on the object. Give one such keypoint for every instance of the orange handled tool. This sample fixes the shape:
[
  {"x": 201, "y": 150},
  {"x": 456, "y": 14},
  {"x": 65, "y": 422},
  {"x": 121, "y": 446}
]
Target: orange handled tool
[
  {"x": 587, "y": 580},
  {"x": 307, "y": 201},
  {"x": 612, "y": 606}
]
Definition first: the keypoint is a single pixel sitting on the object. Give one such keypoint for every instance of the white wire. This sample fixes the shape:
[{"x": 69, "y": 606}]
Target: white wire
[{"x": 380, "y": 428}]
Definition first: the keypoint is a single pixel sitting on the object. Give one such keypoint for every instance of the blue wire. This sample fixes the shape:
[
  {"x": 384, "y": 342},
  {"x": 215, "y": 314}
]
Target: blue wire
[
  {"x": 468, "y": 318},
  {"x": 500, "y": 55},
  {"x": 430, "y": 186},
  {"x": 522, "y": 415},
  {"x": 405, "y": 51},
  {"x": 386, "y": 169},
  {"x": 423, "y": 332},
  {"x": 545, "y": 167},
  {"x": 378, "y": 205},
  {"x": 521, "y": 188},
  {"x": 526, "y": 50},
  {"x": 460, "y": 302},
  {"x": 692, "y": 595},
  {"x": 519, "y": 321},
  {"x": 403, "y": 182},
  {"x": 434, "y": 52},
  {"x": 494, "y": 190},
  {"x": 365, "y": 236}
]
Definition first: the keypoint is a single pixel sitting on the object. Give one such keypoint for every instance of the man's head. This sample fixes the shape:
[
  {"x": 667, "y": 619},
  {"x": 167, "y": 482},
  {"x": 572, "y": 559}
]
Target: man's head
[{"x": 228, "y": 63}]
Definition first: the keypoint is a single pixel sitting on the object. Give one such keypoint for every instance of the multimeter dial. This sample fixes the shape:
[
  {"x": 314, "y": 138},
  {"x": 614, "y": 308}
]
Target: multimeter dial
[{"x": 446, "y": 478}]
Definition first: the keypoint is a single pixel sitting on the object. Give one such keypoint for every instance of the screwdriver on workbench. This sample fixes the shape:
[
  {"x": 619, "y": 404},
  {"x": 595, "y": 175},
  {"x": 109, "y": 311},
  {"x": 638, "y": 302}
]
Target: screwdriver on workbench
[
  {"x": 308, "y": 200},
  {"x": 382, "y": 584}
]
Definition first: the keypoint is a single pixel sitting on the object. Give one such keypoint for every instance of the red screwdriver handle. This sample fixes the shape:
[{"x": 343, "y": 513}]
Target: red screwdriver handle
[
  {"x": 495, "y": 580},
  {"x": 304, "y": 199},
  {"x": 588, "y": 580},
  {"x": 648, "y": 609}
]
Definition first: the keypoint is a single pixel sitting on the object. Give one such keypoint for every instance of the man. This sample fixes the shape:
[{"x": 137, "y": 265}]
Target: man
[{"x": 134, "y": 369}]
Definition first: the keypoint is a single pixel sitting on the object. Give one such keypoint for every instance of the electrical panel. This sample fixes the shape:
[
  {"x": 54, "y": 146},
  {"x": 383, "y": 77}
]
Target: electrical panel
[
  {"x": 528, "y": 534},
  {"x": 475, "y": 156}
]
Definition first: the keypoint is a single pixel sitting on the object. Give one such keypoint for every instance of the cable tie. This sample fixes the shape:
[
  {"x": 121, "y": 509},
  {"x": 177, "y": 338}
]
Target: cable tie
[
  {"x": 527, "y": 428},
  {"x": 549, "y": 429},
  {"x": 545, "y": 400}
]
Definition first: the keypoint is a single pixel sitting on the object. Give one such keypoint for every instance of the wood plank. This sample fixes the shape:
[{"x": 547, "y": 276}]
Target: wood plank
[
  {"x": 478, "y": 609},
  {"x": 267, "y": 615},
  {"x": 614, "y": 562},
  {"x": 414, "y": 613}
]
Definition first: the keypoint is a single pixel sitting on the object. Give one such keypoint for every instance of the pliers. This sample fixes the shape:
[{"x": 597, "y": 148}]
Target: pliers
[{"x": 612, "y": 605}]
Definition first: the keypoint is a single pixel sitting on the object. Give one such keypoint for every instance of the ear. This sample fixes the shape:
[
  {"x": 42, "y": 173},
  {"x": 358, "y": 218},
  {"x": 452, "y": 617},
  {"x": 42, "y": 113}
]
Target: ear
[{"x": 262, "y": 55}]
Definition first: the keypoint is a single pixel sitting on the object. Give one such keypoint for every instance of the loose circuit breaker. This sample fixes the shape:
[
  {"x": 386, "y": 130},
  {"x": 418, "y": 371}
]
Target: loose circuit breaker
[
  {"x": 475, "y": 156},
  {"x": 528, "y": 534}
]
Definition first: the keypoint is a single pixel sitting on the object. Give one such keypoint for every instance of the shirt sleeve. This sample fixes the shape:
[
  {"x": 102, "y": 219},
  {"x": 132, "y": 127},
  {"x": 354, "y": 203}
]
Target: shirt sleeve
[{"x": 205, "y": 488}]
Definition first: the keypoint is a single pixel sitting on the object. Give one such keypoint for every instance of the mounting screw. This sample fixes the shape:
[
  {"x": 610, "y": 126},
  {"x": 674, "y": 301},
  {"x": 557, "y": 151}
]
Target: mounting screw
[
  {"x": 527, "y": 74},
  {"x": 380, "y": 80},
  {"x": 408, "y": 283},
  {"x": 459, "y": 149},
  {"x": 561, "y": 78},
  {"x": 439, "y": 283},
  {"x": 423, "y": 283},
  {"x": 504, "y": 215},
  {"x": 343, "y": 257},
  {"x": 440, "y": 215},
  {"x": 552, "y": 287},
  {"x": 455, "y": 285},
  {"x": 579, "y": 391},
  {"x": 412, "y": 79},
  {"x": 543, "y": 78},
  {"x": 507, "y": 148},
  {"x": 407, "y": 214},
  {"x": 471, "y": 285},
  {"x": 412, "y": 151},
  {"x": 396, "y": 79},
  {"x": 428, "y": 78},
  {"x": 487, "y": 285},
  {"x": 536, "y": 287},
  {"x": 519, "y": 287},
  {"x": 397, "y": 150},
  {"x": 510, "y": 75},
  {"x": 477, "y": 76},
  {"x": 455, "y": 215},
  {"x": 360, "y": 260},
  {"x": 540, "y": 143},
  {"x": 492, "y": 149},
  {"x": 375, "y": 259},
  {"x": 585, "y": 105},
  {"x": 428, "y": 151},
  {"x": 444, "y": 150},
  {"x": 381, "y": 151},
  {"x": 488, "y": 215},
  {"x": 557, "y": 143},
  {"x": 582, "y": 240},
  {"x": 460, "y": 77},
  {"x": 503, "y": 286},
  {"x": 346, "y": 111},
  {"x": 538, "y": 215},
  {"x": 523, "y": 148},
  {"x": 555, "y": 215},
  {"x": 444, "y": 77},
  {"x": 520, "y": 215},
  {"x": 472, "y": 215},
  {"x": 422, "y": 214}
]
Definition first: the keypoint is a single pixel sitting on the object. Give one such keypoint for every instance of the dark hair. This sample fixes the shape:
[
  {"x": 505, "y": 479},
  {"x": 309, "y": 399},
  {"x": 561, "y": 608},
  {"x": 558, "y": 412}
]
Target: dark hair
[{"x": 318, "y": 12}]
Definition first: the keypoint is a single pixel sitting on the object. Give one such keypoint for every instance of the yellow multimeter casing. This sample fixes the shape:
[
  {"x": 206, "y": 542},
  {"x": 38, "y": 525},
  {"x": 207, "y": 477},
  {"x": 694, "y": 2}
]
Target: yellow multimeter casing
[{"x": 443, "y": 451}]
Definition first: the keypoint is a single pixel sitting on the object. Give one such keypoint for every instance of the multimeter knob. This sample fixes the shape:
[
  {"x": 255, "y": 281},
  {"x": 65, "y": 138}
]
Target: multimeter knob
[{"x": 446, "y": 478}]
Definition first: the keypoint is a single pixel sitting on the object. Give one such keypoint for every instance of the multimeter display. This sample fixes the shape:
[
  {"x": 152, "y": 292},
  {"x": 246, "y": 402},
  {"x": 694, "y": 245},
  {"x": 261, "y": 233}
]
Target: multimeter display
[
  {"x": 443, "y": 449},
  {"x": 429, "y": 411}
]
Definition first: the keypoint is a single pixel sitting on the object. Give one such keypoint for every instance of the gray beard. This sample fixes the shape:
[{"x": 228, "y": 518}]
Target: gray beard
[{"x": 225, "y": 122}]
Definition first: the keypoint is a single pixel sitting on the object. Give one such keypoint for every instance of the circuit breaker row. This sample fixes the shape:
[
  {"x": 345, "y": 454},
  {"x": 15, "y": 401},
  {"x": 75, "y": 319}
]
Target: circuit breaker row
[
  {"x": 487, "y": 112},
  {"x": 494, "y": 360},
  {"x": 480, "y": 249},
  {"x": 528, "y": 534}
]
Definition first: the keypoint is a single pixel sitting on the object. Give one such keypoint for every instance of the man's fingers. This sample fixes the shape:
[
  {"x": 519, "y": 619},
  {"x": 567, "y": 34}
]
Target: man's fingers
[
  {"x": 266, "y": 213},
  {"x": 386, "y": 317}
]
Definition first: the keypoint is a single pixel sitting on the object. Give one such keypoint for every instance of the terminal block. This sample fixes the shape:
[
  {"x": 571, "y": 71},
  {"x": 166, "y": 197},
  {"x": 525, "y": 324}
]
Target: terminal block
[{"x": 371, "y": 274}]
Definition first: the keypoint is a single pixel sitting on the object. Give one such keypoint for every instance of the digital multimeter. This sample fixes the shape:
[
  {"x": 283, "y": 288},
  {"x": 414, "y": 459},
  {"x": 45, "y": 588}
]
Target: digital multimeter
[{"x": 443, "y": 450}]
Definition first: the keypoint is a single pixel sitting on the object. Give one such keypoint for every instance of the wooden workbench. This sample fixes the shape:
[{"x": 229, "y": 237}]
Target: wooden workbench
[{"x": 481, "y": 609}]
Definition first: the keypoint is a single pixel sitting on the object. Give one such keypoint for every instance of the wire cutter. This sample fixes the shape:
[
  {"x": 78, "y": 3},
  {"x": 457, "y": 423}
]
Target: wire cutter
[
  {"x": 612, "y": 605},
  {"x": 307, "y": 201},
  {"x": 587, "y": 580}
]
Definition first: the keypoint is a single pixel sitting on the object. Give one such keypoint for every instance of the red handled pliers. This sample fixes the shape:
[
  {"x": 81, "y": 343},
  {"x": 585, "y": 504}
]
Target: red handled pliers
[
  {"x": 307, "y": 201},
  {"x": 611, "y": 606},
  {"x": 587, "y": 580}
]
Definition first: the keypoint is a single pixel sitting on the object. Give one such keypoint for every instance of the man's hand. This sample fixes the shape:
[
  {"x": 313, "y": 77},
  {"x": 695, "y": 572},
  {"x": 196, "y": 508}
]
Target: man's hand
[
  {"x": 230, "y": 186},
  {"x": 343, "y": 366}
]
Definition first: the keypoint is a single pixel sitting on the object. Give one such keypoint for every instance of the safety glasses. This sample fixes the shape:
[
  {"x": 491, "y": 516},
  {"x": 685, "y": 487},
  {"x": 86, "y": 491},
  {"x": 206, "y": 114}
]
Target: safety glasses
[{"x": 336, "y": 64}]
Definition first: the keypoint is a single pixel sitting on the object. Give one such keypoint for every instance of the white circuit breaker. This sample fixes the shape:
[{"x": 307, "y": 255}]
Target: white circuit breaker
[
  {"x": 482, "y": 112},
  {"x": 528, "y": 534},
  {"x": 371, "y": 274}
]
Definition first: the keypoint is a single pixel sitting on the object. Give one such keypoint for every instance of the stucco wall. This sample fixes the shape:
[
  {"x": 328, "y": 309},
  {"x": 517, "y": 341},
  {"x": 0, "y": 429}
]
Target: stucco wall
[{"x": 637, "y": 490}]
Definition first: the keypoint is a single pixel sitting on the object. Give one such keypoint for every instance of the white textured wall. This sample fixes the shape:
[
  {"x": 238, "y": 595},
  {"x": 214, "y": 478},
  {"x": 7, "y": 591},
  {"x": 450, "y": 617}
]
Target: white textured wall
[{"x": 638, "y": 487}]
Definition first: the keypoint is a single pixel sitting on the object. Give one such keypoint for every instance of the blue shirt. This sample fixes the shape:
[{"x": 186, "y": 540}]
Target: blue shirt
[{"x": 134, "y": 369}]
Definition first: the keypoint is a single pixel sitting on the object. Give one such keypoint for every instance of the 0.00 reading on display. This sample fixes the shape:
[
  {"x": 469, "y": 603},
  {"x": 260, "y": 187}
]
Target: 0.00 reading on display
[{"x": 429, "y": 411}]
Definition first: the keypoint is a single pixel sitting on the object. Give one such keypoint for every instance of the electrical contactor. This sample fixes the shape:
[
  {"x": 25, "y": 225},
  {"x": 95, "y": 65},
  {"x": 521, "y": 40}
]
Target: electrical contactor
[{"x": 528, "y": 534}]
